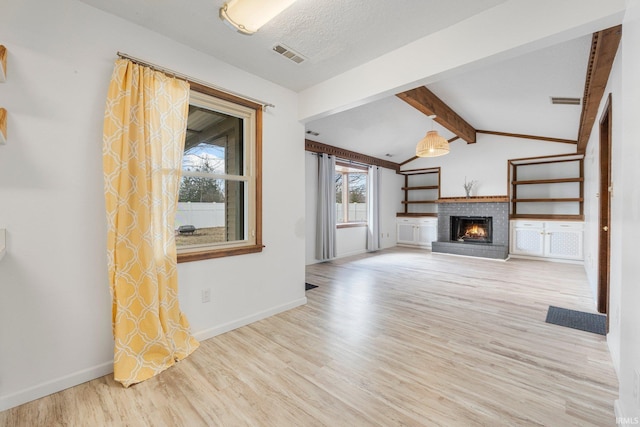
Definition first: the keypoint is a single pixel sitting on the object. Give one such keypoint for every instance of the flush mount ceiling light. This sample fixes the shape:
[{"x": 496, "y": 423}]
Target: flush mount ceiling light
[
  {"x": 247, "y": 16},
  {"x": 432, "y": 145}
]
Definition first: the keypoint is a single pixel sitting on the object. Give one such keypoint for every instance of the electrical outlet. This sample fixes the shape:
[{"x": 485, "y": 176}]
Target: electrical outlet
[
  {"x": 206, "y": 295},
  {"x": 636, "y": 387}
]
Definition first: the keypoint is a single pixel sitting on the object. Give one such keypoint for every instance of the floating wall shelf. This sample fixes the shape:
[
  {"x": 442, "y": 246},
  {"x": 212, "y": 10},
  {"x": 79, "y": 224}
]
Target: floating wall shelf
[
  {"x": 3, "y": 126},
  {"x": 3, "y": 63}
]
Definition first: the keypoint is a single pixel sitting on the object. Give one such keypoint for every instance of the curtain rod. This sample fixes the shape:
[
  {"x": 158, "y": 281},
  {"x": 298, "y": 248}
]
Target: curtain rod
[
  {"x": 343, "y": 160},
  {"x": 190, "y": 79}
]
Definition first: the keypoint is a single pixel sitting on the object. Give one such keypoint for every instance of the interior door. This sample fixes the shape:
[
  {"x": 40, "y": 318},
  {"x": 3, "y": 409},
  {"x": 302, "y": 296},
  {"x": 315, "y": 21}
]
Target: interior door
[{"x": 605, "y": 211}]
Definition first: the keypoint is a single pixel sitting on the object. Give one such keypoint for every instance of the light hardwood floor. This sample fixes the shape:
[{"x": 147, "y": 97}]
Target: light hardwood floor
[{"x": 402, "y": 337}]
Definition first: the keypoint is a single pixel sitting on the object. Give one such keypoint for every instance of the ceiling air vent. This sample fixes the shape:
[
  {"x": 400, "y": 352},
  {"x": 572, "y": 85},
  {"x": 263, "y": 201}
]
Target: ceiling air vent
[
  {"x": 557, "y": 100},
  {"x": 289, "y": 53}
]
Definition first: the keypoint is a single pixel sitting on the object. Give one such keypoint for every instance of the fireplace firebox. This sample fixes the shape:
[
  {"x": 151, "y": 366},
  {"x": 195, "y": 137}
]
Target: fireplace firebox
[{"x": 471, "y": 229}]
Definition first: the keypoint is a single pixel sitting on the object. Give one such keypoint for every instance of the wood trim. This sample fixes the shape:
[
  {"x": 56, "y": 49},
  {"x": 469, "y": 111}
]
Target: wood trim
[
  {"x": 318, "y": 147},
  {"x": 423, "y": 171},
  {"x": 406, "y": 193},
  {"x": 3, "y": 126},
  {"x": 414, "y": 215},
  {"x": 549, "y": 200},
  {"x": 224, "y": 95},
  {"x": 423, "y": 187},
  {"x": 428, "y": 103},
  {"x": 417, "y": 202},
  {"x": 3, "y": 63},
  {"x": 351, "y": 224},
  {"x": 547, "y": 181},
  {"x": 604, "y": 209},
  {"x": 535, "y": 137},
  {"x": 258, "y": 160},
  {"x": 553, "y": 158},
  {"x": 218, "y": 253},
  {"x": 546, "y": 216},
  {"x": 474, "y": 199},
  {"x": 604, "y": 45},
  {"x": 246, "y": 249},
  {"x": 409, "y": 160}
]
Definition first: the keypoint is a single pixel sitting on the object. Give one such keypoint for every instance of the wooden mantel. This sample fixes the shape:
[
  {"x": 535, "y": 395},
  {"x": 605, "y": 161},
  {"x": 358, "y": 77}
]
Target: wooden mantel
[{"x": 474, "y": 199}]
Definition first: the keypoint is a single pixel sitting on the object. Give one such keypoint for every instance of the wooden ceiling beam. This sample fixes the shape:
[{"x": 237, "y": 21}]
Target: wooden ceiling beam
[
  {"x": 427, "y": 102},
  {"x": 604, "y": 45},
  {"x": 535, "y": 137}
]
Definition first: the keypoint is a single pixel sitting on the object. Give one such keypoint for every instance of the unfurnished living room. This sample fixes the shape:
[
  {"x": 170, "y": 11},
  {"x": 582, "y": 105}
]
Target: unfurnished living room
[{"x": 311, "y": 212}]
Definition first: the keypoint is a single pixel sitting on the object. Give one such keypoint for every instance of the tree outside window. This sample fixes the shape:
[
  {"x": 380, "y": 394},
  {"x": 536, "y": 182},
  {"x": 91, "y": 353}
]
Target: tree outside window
[{"x": 351, "y": 194}]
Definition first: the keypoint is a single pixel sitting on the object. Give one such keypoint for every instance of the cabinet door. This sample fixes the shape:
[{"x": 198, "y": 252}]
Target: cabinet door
[
  {"x": 527, "y": 241},
  {"x": 427, "y": 233},
  {"x": 565, "y": 244},
  {"x": 406, "y": 233}
]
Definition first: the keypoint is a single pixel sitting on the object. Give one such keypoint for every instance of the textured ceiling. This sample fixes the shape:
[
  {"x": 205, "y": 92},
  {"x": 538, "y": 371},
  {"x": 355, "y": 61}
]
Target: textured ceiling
[{"x": 335, "y": 35}]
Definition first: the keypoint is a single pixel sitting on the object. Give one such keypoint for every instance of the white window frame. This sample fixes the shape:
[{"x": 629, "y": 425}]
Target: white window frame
[{"x": 341, "y": 223}]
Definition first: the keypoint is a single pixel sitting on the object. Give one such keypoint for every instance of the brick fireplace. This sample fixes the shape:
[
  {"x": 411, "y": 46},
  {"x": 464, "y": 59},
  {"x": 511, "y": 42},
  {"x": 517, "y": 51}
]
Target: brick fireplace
[{"x": 478, "y": 227}]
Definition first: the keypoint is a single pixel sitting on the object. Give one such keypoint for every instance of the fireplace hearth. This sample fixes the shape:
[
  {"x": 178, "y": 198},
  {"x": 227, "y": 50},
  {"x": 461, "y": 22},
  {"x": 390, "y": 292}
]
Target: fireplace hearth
[
  {"x": 482, "y": 228},
  {"x": 471, "y": 229}
]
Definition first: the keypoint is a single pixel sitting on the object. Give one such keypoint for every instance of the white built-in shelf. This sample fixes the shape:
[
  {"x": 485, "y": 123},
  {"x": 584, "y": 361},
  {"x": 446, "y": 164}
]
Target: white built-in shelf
[
  {"x": 3, "y": 63},
  {"x": 3, "y": 242}
]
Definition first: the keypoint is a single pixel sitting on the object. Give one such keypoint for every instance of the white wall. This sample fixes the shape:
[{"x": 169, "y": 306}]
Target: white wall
[
  {"x": 352, "y": 241},
  {"x": 626, "y": 214},
  {"x": 55, "y": 320},
  {"x": 486, "y": 162}
]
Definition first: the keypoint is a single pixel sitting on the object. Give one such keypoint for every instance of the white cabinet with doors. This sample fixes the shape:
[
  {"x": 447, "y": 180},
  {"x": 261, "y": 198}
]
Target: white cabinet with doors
[
  {"x": 554, "y": 240},
  {"x": 417, "y": 231}
]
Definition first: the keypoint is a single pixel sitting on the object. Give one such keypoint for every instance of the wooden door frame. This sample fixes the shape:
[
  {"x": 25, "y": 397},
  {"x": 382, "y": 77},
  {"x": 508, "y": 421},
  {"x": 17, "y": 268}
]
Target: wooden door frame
[{"x": 604, "y": 210}]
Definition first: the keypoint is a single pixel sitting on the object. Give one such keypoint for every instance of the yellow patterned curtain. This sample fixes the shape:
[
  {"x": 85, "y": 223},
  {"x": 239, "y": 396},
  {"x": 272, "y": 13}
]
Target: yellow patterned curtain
[{"x": 144, "y": 131}]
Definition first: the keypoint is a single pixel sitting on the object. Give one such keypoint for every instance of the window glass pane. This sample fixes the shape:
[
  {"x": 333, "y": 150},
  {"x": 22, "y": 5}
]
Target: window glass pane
[
  {"x": 210, "y": 211},
  {"x": 214, "y": 143},
  {"x": 357, "y": 197},
  {"x": 219, "y": 202},
  {"x": 339, "y": 189}
]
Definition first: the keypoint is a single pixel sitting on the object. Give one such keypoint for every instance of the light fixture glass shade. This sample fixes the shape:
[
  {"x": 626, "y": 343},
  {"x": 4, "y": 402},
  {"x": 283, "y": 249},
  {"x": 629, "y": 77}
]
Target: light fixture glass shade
[
  {"x": 247, "y": 16},
  {"x": 432, "y": 145}
]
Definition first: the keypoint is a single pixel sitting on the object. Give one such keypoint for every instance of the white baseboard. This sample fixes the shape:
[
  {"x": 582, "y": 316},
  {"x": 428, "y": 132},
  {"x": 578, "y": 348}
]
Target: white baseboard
[
  {"x": 221, "y": 329},
  {"x": 352, "y": 253},
  {"x": 617, "y": 409},
  {"x": 537, "y": 258},
  {"x": 58, "y": 384},
  {"x": 472, "y": 257}
]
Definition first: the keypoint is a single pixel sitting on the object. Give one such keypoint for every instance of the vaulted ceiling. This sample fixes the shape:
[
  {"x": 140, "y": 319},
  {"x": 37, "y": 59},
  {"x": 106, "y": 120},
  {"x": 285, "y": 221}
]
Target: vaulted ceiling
[{"x": 510, "y": 95}]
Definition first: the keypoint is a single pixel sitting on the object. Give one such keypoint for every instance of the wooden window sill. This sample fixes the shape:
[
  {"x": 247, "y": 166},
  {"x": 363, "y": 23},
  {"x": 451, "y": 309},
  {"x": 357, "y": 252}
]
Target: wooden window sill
[{"x": 218, "y": 253}]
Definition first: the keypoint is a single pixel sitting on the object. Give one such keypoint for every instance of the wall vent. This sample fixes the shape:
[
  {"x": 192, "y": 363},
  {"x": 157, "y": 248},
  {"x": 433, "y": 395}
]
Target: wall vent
[
  {"x": 289, "y": 53},
  {"x": 557, "y": 100}
]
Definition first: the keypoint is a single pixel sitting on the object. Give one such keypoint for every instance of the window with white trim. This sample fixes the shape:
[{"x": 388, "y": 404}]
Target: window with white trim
[
  {"x": 351, "y": 194},
  {"x": 219, "y": 207}
]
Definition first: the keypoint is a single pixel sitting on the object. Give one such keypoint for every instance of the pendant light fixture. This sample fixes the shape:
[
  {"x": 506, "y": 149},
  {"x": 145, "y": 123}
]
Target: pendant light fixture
[
  {"x": 247, "y": 16},
  {"x": 432, "y": 145}
]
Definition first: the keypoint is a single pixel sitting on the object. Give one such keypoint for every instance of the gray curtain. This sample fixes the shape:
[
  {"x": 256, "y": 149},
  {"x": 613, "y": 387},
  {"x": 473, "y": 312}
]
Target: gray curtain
[
  {"x": 373, "y": 209},
  {"x": 326, "y": 216}
]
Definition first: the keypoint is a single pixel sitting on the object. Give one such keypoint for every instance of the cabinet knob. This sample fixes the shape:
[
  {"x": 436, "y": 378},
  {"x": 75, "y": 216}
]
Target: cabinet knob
[{"x": 605, "y": 228}]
